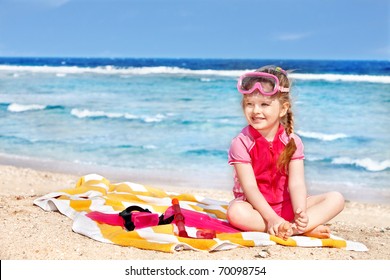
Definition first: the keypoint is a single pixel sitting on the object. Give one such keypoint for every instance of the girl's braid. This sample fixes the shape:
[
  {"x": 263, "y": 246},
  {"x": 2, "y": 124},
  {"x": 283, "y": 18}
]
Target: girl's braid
[
  {"x": 289, "y": 122},
  {"x": 289, "y": 150}
]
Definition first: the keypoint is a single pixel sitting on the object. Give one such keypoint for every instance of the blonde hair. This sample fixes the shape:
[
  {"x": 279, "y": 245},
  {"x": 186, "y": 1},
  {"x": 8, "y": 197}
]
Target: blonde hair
[{"x": 288, "y": 119}]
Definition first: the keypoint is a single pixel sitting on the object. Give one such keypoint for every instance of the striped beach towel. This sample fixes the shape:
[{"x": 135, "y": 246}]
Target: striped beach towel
[{"x": 95, "y": 193}]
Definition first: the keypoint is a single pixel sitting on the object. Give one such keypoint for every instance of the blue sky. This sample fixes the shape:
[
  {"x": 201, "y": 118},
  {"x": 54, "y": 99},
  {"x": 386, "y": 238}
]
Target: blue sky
[{"x": 283, "y": 29}]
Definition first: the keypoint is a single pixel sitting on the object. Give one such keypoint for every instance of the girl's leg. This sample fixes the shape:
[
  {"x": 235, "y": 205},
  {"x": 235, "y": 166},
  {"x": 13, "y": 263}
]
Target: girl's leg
[
  {"x": 242, "y": 215},
  {"x": 320, "y": 210}
]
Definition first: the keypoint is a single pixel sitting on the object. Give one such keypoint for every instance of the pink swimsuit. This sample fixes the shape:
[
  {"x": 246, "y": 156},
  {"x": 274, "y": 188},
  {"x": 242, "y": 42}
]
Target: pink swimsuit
[{"x": 252, "y": 148}]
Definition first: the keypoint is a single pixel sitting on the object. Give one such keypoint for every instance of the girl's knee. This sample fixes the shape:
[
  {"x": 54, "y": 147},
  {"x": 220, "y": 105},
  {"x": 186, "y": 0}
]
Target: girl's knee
[
  {"x": 337, "y": 199},
  {"x": 242, "y": 215},
  {"x": 233, "y": 213},
  {"x": 236, "y": 212}
]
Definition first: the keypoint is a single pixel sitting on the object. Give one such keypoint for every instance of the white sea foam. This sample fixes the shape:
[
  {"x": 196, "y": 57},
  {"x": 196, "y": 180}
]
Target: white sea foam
[
  {"x": 156, "y": 118},
  {"x": 313, "y": 158},
  {"x": 343, "y": 77},
  {"x": 366, "y": 163},
  {"x": 61, "y": 71},
  {"x": 149, "y": 147},
  {"x": 321, "y": 136},
  {"x": 17, "y": 108},
  {"x": 85, "y": 113},
  {"x": 111, "y": 70}
]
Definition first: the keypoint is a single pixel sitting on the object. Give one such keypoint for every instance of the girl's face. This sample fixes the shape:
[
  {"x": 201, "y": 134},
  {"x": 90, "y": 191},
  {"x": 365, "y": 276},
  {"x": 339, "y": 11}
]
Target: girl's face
[{"x": 263, "y": 113}]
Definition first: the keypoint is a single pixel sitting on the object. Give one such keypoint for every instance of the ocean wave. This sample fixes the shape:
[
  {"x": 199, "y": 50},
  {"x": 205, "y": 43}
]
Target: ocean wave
[
  {"x": 321, "y": 136},
  {"x": 62, "y": 71},
  {"x": 343, "y": 77},
  {"x": 365, "y": 163},
  {"x": 142, "y": 147},
  {"x": 16, "y": 139},
  {"x": 20, "y": 108},
  {"x": 207, "y": 152},
  {"x": 17, "y": 108},
  {"x": 85, "y": 113},
  {"x": 149, "y": 147}
]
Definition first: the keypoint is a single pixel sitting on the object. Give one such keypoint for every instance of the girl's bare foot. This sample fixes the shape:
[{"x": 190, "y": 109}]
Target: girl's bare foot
[
  {"x": 285, "y": 230},
  {"x": 321, "y": 231}
]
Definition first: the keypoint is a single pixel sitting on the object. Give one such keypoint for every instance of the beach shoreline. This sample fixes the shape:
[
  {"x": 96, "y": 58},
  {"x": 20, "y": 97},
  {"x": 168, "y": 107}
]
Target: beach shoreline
[{"x": 29, "y": 233}]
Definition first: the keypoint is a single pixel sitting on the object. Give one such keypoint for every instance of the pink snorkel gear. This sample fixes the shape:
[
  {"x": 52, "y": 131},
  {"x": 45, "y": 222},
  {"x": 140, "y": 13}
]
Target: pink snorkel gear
[{"x": 262, "y": 77}]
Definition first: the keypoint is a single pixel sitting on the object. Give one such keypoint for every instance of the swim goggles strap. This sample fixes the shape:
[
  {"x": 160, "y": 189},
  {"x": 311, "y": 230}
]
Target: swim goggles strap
[{"x": 150, "y": 219}]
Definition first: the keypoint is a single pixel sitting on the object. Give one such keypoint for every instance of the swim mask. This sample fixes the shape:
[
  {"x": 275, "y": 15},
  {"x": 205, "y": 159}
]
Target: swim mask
[{"x": 267, "y": 84}]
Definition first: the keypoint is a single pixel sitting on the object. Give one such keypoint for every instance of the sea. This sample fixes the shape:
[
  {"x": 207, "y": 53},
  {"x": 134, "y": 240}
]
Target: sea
[{"x": 171, "y": 121}]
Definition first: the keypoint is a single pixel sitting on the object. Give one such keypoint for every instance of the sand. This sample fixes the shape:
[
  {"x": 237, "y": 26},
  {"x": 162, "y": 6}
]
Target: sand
[{"x": 29, "y": 233}]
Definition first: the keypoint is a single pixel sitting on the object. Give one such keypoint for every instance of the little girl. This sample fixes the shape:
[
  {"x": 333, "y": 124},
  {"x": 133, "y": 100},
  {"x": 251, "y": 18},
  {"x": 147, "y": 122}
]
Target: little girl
[{"x": 270, "y": 191}]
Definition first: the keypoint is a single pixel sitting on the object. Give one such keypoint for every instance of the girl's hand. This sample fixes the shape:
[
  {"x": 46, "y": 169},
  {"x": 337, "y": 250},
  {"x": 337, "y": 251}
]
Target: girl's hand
[{"x": 301, "y": 221}]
